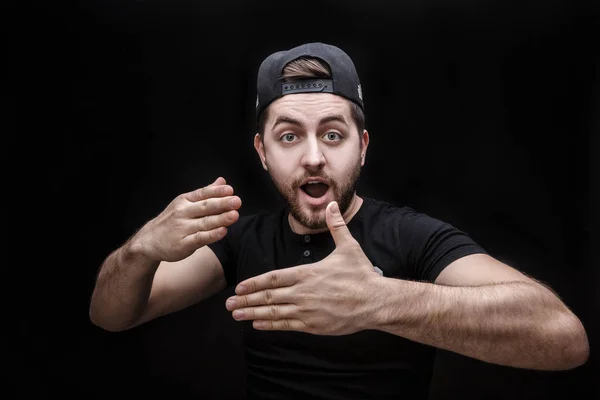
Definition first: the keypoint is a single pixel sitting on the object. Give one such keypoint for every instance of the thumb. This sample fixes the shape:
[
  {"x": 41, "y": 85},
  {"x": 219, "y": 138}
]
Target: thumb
[{"x": 337, "y": 225}]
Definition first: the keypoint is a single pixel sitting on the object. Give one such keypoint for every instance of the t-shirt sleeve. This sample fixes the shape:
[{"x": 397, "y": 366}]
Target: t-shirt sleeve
[
  {"x": 227, "y": 249},
  {"x": 430, "y": 245},
  {"x": 222, "y": 249}
]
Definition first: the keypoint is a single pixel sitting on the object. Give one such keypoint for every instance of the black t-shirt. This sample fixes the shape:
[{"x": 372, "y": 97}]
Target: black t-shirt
[{"x": 369, "y": 364}]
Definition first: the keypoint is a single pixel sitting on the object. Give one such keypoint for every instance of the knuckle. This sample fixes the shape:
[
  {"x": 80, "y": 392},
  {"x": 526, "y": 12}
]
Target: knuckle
[
  {"x": 202, "y": 224},
  {"x": 179, "y": 209},
  {"x": 274, "y": 311},
  {"x": 287, "y": 325},
  {"x": 212, "y": 223},
  {"x": 274, "y": 279},
  {"x": 268, "y": 296},
  {"x": 210, "y": 236},
  {"x": 204, "y": 205}
]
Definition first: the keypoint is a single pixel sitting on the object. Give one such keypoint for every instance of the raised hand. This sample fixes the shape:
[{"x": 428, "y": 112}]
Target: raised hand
[
  {"x": 335, "y": 296},
  {"x": 190, "y": 221}
]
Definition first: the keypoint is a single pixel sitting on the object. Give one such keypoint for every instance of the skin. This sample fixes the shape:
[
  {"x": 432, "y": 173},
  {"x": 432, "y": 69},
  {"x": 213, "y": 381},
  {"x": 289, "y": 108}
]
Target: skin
[
  {"x": 309, "y": 147},
  {"x": 478, "y": 306},
  {"x": 166, "y": 266}
]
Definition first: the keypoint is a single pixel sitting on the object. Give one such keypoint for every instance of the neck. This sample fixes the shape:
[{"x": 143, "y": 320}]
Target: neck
[{"x": 300, "y": 229}]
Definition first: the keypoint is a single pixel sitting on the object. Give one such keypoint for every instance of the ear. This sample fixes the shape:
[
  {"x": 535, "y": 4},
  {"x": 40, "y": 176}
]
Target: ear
[
  {"x": 260, "y": 149},
  {"x": 365, "y": 143}
]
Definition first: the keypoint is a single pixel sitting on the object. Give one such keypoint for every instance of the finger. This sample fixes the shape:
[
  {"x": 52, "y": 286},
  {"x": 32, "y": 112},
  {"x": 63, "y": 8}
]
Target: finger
[
  {"x": 203, "y": 238},
  {"x": 211, "y": 222},
  {"x": 261, "y": 298},
  {"x": 272, "y": 313},
  {"x": 280, "y": 325},
  {"x": 219, "y": 181},
  {"x": 210, "y": 191},
  {"x": 212, "y": 206},
  {"x": 337, "y": 225},
  {"x": 270, "y": 280}
]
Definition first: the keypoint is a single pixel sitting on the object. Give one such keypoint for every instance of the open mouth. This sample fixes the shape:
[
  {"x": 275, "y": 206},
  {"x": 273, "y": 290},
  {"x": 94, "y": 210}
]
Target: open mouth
[{"x": 315, "y": 190}]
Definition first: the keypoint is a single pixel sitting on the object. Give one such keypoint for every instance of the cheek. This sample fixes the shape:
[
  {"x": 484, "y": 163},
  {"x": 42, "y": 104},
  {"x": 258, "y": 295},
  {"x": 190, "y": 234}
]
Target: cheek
[
  {"x": 341, "y": 166},
  {"x": 280, "y": 169},
  {"x": 283, "y": 162}
]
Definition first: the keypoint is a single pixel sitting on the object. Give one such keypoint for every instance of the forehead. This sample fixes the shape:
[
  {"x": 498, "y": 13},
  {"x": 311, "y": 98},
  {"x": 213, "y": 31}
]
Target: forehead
[{"x": 309, "y": 107}]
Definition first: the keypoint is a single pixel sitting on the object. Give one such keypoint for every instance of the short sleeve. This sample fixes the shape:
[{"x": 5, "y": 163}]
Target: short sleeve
[
  {"x": 227, "y": 249},
  {"x": 222, "y": 250},
  {"x": 429, "y": 245}
]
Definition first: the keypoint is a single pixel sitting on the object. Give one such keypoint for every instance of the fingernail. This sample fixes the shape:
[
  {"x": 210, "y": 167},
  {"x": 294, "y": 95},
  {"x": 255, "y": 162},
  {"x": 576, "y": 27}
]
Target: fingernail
[
  {"x": 241, "y": 289},
  {"x": 233, "y": 202},
  {"x": 334, "y": 208},
  {"x": 230, "y": 304},
  {"x": 237, "y": 314}
]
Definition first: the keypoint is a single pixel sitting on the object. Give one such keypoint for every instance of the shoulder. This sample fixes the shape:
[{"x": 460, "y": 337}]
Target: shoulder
[
  {"x": 386, "y": 211},
  {"x": 401, "y": 220}
]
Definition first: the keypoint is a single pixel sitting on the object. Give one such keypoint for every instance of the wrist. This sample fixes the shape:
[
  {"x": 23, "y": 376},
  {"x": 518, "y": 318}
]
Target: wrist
[
  {"x": 392, "y": 302},
  {"x": 136, "y": 251},
  {"x": 380, "y": 303}
]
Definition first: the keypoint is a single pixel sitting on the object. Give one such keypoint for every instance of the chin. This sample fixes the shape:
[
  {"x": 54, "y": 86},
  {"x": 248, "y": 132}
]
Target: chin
[{"x": 311, "y": 219}]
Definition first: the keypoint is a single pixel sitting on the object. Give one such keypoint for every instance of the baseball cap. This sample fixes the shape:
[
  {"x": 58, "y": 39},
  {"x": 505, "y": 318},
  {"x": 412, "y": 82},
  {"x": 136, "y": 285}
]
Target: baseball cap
[{"x": 344, "y": 78}]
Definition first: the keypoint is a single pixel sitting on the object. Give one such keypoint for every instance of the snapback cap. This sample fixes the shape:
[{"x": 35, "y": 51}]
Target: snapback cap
[{"x": 343, "y": 82}]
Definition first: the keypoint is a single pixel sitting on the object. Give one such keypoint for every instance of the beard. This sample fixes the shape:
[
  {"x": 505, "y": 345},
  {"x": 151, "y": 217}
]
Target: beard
[{"x": 343, "y": 192}]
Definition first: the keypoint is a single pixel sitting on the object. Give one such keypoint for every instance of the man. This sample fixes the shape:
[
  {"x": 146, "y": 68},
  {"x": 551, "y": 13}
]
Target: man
[{"x": 341, "y": 296}]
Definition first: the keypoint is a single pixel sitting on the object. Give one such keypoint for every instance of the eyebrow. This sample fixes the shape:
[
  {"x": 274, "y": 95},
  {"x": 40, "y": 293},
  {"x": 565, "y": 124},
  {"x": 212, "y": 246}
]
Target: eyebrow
[{"x": 330, "y": 118}]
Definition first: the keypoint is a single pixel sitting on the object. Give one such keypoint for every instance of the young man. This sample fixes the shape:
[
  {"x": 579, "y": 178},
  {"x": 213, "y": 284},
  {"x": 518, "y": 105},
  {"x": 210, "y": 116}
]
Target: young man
[{"x": 341, "y": 296}]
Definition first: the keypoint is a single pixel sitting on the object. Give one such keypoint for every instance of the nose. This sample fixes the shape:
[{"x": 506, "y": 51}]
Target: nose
[{"x": 313, "y": 158}]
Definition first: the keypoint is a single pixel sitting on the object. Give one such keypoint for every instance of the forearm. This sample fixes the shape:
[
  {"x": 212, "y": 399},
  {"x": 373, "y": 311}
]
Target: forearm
[
  {"x": 122, "y": 288},
  {"x": 514, "y": 324}
]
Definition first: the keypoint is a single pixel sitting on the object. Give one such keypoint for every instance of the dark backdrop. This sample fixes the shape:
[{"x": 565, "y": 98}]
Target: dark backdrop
[{"x": 483, "y": 114}]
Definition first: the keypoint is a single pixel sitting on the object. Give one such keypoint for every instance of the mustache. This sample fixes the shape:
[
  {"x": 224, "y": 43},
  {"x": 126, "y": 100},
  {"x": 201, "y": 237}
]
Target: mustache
[{"x": 328, "y": 180}]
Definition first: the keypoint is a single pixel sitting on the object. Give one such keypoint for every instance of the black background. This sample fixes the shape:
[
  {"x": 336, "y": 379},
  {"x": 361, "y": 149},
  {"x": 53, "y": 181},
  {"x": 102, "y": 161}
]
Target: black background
[{"x": 483, "y": 114}]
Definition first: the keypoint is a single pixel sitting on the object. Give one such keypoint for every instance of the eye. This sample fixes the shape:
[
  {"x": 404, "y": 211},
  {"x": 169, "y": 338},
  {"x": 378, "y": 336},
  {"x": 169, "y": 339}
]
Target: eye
[
  {"x": 287, "y": 138},
  {"x": 333, "y": 135}
]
